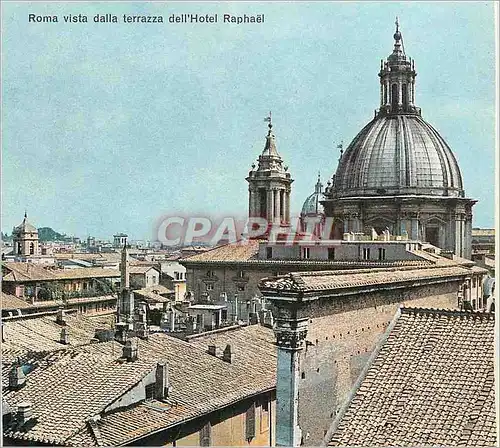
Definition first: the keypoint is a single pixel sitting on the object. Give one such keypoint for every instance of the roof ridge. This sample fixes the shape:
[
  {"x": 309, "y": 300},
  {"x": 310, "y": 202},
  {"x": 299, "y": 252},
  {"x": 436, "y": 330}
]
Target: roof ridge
[{"x": 447, "y": 312}]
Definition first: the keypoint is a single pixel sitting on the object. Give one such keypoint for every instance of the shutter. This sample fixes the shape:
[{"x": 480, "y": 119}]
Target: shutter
[
  {"x": 205, "y": 435},
  {"x": 250, "y": 422}
]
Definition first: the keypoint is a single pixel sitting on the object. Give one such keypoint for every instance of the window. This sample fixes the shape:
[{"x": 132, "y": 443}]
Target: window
[
  {"x": 331, "y": 253},
  {"x": 210, "y": 274},
  {"x": 306, "y": 253},
  {"x": 205, "y": 435},
  {"x": 366, "y": 253},
  {"x": 269, "y": 253},
  {"x": 264, "y": 414},
  {"x": 250, "y": 422},
  {"x": 210, "y": 286},
  {"x": 241, "y": 288},
  {"x": 381, "y": 253}
]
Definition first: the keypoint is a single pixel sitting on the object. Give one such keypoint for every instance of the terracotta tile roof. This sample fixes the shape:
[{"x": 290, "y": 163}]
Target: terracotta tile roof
[
  {"x": 78, "y": 386},
  {"x": 42, "y": 334},
  {"x": 201, "y": 384},
  {"x": 41, "y": 305},
  {"x": 141, "y": 269},
  {"x": 11, "y": 302},
  {"x": 331, "y": 280},
  {"x": 431, "y": 384},
  {"x": 16, "y": 271},
  {"x": 243, "y": 251},
  {"x": 20, "y": 272}
]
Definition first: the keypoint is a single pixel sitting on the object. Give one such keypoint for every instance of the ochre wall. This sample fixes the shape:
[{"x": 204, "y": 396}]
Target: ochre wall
[
  {"x": 227, "y": 428},
  {"x": 341, "y": 336}
]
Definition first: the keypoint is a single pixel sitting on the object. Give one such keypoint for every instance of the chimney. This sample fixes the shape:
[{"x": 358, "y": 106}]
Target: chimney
[
  {"x": 24, "y": 413},
  {"x": 162, "y": 386},
  {"x": 64, "y": 338},
  {"x": 17, "y": 378},
  {"x": 227, "y": 355},
  {"x": 130, "y": 350},
  {"x": 60, "y": 317},
  {"x": 211, "y": 350},
  {"x": 124, "y": 269}
]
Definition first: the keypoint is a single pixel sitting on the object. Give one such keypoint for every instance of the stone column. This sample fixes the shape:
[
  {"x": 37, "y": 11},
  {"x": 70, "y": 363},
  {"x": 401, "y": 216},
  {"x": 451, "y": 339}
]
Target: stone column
[
  {"x": 290, "y": 334},
  {"x": 251, "y": 203},
  {"x": 459, "y": 230},
  {"x": 270, "y": 205},
  {"x": 277, "y": 203},
  {"x": 286, "y": 207}
]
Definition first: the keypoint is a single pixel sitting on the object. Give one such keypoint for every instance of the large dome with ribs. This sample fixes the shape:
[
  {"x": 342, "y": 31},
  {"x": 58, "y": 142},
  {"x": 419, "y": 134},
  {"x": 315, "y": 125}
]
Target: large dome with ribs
[{"x": 398, "y": 154}]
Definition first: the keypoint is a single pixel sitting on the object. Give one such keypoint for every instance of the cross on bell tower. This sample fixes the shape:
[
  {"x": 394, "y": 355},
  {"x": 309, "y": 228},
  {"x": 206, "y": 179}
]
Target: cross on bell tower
[{"x": 270, "y": 184}]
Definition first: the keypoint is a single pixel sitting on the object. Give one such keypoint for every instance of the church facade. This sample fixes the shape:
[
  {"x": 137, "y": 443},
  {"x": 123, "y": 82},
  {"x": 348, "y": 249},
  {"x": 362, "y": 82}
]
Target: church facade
[{"x": 398, "y": 173}]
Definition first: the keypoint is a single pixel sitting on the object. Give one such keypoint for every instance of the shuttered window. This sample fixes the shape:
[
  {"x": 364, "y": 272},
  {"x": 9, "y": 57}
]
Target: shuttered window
[
  {"x": 205, "y": 435},
  {"x": 250, "y": 422}
]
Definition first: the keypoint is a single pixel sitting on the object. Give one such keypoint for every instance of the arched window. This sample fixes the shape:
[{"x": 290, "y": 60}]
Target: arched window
[
  {"x": 394, "y": 97},
  {"x": 32, "y": 248},
  {"x": 404, "y": 91}
]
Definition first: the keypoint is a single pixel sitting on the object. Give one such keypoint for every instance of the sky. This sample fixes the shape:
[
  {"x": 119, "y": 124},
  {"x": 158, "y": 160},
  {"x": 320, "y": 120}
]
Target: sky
[{"x": 108, "y": 126}]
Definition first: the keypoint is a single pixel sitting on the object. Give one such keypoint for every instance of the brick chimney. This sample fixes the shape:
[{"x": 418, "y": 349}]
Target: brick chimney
[
  {"x": 227, "y": 355},
  {"x": 60, "y": 317},
  {"x": 17, "y": 378},
  {"x": 24, "y": 413},
  {"x": 64, "y": 338},
  {"x": 162, "y": 385},
  {"x": 130, "y": 350},
  {"x": 211, "y": 350}
]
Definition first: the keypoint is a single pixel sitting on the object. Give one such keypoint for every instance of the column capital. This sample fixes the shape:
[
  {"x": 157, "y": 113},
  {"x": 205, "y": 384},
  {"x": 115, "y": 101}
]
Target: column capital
[{"x": 291, "y": 333}]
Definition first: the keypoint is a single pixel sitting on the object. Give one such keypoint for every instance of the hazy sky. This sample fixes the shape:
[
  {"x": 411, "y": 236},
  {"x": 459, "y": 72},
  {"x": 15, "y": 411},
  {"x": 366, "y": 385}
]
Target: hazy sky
[{"x": 106, "y": 127}]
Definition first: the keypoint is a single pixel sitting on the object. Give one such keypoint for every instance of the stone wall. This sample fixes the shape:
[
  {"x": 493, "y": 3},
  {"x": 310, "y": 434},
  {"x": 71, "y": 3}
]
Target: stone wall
[{"x": 341, "y": 336}]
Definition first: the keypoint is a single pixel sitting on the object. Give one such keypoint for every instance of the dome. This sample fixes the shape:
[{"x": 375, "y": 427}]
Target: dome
[
  {"x": 398, "y": 154},
  {"x": 312, "y": 205}
]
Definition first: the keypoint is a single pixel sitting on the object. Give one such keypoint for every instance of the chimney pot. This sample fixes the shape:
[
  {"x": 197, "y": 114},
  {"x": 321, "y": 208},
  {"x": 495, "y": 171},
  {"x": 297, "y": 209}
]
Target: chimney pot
[
  {"x": 130, "y": 350},
  {"x": 162, "y": 386},
  {"x": 60, "y": 317},
  {"x": 227, "y": 355},
  {"x": 64, "y": 339},
  {"x": 24, "y": 412},
  {"x": 17, "y": 378},
  {"x": 211, "y": 350}
]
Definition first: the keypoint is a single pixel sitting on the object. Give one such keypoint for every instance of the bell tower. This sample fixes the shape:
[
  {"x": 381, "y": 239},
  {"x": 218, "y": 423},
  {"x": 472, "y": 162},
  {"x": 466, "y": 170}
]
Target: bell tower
[{"x": 269, "y": 185}]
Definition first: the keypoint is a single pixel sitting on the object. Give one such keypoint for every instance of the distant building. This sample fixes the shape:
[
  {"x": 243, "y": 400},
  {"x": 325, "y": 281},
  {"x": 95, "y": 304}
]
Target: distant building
[
  {"x": 144, "y": 276},
  {"x": 25, "y": 238},
  {"x": 119, "y": 240}
]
